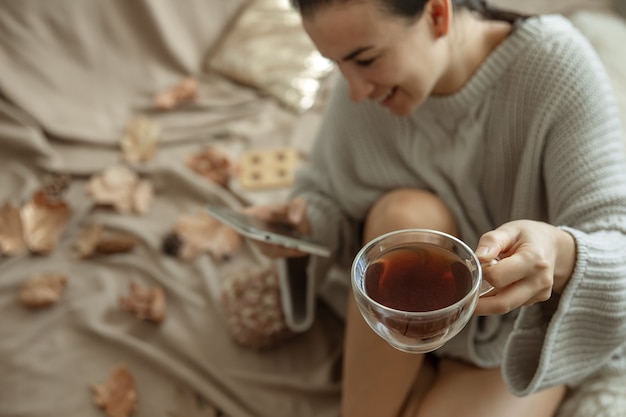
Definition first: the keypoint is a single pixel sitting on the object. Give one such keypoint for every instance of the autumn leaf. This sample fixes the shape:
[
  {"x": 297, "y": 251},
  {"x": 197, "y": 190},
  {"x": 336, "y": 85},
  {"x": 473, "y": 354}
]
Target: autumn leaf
[
  {"x": 213, "y": 164},
  {"x": 43, "y": 221},
  {"x": 121, "y": 188},
  {"x": 145, "y": 303},
  {"x": 11, "y": 230},
  {"x": 201, "y": 232},
  {"x": 117, "y": 396},
  {"x": 140, "y": 140},
  {"x": 184, "y": 91},
  {"x": 94, "y": 239},
  {"x": 42, "y": 290}
]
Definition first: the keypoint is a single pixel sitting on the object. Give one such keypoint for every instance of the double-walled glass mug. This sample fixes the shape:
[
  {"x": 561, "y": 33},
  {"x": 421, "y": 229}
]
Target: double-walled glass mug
[{"x": 417, "y": 288}]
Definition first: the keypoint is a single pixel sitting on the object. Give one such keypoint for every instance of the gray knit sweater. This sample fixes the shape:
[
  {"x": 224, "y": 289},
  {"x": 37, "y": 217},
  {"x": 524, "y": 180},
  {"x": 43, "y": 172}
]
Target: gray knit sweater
[{"x": 534, "y": 134}]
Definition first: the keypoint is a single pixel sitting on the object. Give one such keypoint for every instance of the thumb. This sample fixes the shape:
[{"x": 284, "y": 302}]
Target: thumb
[
  {"x": 494, "y": 242},
  {"x": 489, "y": 246},
  {"x": 296, "y": 211},
  {"x": 484, "y": 252}
]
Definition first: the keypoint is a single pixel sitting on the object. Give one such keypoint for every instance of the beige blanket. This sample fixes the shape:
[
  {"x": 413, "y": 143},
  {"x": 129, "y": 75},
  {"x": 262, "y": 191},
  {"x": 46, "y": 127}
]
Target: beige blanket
[{"x": 73, "y": 74}]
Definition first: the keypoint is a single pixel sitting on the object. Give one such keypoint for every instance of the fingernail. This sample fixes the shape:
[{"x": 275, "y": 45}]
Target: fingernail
[{"x": 482, "y": 251}]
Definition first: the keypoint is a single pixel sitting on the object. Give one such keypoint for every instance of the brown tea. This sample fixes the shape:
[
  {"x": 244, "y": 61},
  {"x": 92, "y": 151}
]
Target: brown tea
[{"x": 418, "y": 277}]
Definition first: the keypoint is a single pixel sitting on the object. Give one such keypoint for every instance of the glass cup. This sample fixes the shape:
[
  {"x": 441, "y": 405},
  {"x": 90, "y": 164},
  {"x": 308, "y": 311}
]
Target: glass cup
[{"x": 417, "y": 288}]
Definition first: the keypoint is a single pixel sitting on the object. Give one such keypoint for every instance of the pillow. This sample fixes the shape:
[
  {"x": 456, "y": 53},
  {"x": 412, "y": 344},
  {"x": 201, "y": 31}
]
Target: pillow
[
  {"x": 605, "y": 31},
  {"x": 268, "y": 49}
]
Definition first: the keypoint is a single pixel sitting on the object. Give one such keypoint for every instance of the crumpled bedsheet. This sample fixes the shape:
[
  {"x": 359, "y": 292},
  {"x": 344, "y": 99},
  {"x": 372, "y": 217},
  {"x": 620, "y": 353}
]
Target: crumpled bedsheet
[{"x": 74, "y": 73}]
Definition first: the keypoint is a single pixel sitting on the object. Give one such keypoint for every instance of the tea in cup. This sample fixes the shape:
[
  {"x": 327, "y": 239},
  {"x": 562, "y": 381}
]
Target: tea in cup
[{"x": 417, "y": 288}]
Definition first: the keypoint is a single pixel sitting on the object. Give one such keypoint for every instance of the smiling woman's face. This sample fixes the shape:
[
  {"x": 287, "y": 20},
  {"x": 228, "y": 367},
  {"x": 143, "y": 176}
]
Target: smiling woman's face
[{"x": 384, "y": 58}]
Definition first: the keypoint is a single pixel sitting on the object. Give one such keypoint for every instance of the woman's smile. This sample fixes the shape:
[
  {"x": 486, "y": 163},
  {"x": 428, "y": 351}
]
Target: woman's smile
[
  {"x": 385, "y": 99},
  {"x": 375, "y": 53}
]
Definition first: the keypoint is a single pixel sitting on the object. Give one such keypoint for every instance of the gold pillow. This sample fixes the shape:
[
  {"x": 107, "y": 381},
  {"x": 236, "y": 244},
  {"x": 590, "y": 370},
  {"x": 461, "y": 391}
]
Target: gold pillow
[{"x": 268, "y": 49}]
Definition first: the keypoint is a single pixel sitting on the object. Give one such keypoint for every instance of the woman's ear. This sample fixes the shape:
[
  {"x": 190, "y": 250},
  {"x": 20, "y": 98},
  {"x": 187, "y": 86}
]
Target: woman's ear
[{"x": 441, "y": 14}]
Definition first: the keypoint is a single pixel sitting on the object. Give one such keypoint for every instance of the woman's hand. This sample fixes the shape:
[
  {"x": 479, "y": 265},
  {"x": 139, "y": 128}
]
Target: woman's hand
[
  {"x": 292, "y": 214},
  {"x": 537, "y": 259}
]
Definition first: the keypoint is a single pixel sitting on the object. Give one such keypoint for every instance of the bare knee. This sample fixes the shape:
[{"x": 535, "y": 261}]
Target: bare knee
[{"x": 407, "y": 209}]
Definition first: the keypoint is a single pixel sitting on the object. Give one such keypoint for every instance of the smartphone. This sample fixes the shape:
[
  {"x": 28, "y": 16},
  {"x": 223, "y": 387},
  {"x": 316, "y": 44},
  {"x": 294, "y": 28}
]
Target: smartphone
[
  {"x": 261, "y": 230},
  {"x": 297, "y": 293}
]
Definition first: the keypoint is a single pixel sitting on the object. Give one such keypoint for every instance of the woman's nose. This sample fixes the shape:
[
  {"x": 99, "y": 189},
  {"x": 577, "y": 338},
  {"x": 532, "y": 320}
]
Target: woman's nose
[{"x": 360, "y": 88}]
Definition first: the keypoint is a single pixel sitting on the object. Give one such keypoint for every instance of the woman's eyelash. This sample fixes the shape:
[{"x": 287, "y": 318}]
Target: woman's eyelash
[{"x": 365, "y": 62}]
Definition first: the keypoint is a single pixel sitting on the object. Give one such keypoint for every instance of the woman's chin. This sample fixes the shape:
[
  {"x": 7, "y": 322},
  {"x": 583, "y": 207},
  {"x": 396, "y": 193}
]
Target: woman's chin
[{"x": 401, "y": 110}]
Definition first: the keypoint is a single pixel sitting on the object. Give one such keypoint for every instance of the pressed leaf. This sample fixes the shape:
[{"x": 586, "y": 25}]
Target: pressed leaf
[
  {"x": 121, "y": 188},
  {"x": 184, "y": 91},
  {"x": 140, "y": 140},
  {"x": 212, "y": 164},
  {"x": 94, "y": 239},
  {"x": 43, "y": 220},
  {"x": 11, "y": 230},
  {"x": 145, "y": 303},
  {"x": 117, "y": 396},
  {"x": 202, "y": 233},
  {"x": 42, "y": 290}
]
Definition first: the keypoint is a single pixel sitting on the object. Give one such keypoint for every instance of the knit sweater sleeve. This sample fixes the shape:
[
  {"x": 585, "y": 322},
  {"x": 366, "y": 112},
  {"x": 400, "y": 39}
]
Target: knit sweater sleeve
[
  {"x": 333, "y": 183},
  {"x": 583, "y": 329}
]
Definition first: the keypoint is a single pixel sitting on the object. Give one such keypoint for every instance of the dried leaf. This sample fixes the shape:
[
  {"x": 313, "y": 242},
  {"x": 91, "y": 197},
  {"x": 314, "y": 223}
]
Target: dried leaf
[
  {"x": 11, "y": 230},
  {"x": 87, "y": 240},
  {"x": 203, "y": 233},
  {"x": 185, "y": 91},
  {"x": 212, "y": 164},
  {"x": 95, "y": 240},
  {"x": 43, "y": 221},
  {"x": 145, "y": 303},
  {"x": 121, "y": 188},
  {"x": 139, "y": 143},
  {"x": 115, "y": 242},
  {"x": 117, "y": 396},
  {"x": 143, "y": 196},
  {"x": 42, "y": 290}
]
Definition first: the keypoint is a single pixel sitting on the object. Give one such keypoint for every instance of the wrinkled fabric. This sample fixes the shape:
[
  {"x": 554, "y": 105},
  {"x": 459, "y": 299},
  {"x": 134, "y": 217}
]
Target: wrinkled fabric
[{"x": 74, "y": 73}]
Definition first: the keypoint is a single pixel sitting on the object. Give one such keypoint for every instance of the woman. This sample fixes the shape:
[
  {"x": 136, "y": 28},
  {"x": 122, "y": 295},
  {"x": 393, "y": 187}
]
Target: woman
[{"x": 503, "y": 131}]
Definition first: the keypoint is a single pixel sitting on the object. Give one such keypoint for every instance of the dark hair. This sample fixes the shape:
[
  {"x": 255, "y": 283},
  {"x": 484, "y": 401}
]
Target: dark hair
[{"x": 411, "y": 9}]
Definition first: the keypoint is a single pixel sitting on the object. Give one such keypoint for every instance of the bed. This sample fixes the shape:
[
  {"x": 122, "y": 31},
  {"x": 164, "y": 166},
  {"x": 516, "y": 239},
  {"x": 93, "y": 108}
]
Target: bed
[{"x": 119, "y": 122}]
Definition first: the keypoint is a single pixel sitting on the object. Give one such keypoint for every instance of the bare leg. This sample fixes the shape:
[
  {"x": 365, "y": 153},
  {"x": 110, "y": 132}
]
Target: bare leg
[
  {"x": 377, "y": 378},
  {"x": 463, "y": 389}
]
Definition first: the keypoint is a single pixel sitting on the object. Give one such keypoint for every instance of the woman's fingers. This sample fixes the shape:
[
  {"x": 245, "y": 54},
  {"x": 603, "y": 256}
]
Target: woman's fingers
[
  {"x": 525, "y": 274},
  {"x": 291, "y": 214}
]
